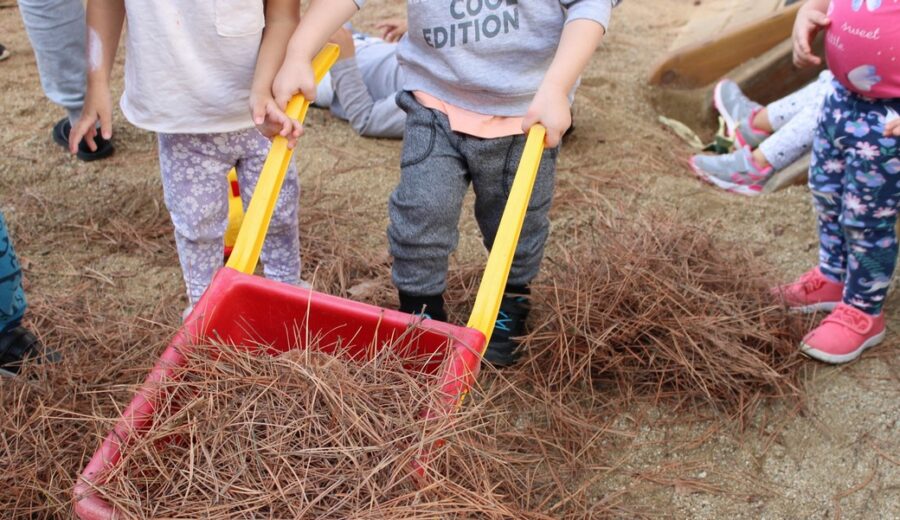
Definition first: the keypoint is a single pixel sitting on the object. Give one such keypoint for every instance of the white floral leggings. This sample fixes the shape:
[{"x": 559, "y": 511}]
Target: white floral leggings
[{"x": 195, "y": 187}]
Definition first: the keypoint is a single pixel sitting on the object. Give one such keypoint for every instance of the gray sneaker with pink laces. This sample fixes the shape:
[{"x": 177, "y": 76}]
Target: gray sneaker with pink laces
[{"x": 735, "y": 172}]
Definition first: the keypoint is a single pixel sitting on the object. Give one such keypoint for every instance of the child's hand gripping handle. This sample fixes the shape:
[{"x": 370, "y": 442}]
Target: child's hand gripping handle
[
  {"x": 493, "y": 285},
  {"x": 250, "y": 239}
]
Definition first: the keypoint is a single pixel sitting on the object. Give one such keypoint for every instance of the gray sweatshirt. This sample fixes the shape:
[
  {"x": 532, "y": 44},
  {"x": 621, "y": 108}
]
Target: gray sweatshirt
[{"x": 488, "y": 56}]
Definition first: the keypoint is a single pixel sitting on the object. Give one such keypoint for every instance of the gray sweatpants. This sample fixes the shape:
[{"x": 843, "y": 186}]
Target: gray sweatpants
[
  {"x": 437, "y": 167},
  {"x": 57, "y": 32},
  {"x": 795, "y": 119}
]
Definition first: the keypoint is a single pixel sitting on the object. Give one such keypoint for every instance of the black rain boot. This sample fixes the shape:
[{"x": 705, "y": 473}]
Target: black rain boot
[
  {"x": 503, "y": 349},
  {"x": 430, "y": 307},
  {"x": 18, "y": 344}
]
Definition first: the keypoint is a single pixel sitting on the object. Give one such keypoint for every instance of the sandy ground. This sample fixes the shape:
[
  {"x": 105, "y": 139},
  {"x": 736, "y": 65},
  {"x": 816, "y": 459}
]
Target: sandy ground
[{"x": 840, "y": 458}]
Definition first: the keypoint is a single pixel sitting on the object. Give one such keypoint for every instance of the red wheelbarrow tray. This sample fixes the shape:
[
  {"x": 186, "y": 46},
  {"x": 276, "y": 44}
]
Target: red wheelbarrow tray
[{"x": 242, "y": 309}]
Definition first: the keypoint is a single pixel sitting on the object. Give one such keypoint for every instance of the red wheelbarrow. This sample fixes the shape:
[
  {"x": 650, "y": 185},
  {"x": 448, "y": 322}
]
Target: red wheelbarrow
[{"x": 244, "y": 309}]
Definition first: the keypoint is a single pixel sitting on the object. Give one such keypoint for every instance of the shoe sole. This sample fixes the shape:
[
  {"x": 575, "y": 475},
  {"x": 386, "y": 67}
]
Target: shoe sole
[
  {"x": 94, "y": 156},
  {"x": 835, "y": 359},
  {"x": 814, "y": 308},
  {"x": 730, "y": 123},
  {"x": 725, "y": 185}
]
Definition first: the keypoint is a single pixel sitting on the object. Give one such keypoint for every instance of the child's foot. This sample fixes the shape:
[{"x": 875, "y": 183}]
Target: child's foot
[
  {"x": 844, "y": 335},
  {"x": 4, "y": 52},
  {"x": 738, "y": 110},
  {"x": 428, "y": 307},
  {"x": 61, "y": 136},
  {"x": 502, "y": 350},
  {"x": 19, "y": 344},
  {"x": 812, "y": 292},
  {"x": 735, "y": 172}
]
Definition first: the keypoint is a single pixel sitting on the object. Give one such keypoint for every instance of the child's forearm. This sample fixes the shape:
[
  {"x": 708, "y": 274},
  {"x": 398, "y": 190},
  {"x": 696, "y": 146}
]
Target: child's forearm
[
  {"x": 104, "y": 24},
  {"x": 320, "y": 21},
  {"x": 579, "y": 40},
  {"x": 816, "y": 5},
  {"x": 282, "y": 18}
]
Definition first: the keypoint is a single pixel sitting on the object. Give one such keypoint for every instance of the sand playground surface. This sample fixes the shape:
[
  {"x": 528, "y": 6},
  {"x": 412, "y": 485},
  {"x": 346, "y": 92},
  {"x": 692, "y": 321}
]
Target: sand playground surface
[{"x": 105, "y": 288}]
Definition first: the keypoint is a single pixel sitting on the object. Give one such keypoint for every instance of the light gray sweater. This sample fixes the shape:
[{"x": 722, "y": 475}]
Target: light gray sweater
[{"x": 488, "y": 56}]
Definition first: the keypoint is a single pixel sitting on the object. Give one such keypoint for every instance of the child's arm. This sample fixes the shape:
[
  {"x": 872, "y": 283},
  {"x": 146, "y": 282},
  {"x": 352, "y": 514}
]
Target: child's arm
[
  {"x": 321, "y": 20},
  {"x": 810, "y": 20},
  {"x": 104, "y": 23},
  {"x": 282, "y": 18},
  {"x": 550, "y": 106}
]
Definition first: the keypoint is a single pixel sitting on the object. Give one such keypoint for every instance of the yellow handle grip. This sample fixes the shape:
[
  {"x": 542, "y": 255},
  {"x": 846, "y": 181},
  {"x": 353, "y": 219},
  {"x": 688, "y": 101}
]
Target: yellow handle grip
[
  {"x": 493, "y": 284},
  {"x": 250, "y": 239}
]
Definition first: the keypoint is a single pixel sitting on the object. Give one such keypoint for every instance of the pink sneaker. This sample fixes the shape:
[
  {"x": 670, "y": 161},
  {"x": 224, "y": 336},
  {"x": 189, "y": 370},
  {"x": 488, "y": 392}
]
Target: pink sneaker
[
  {"x": 812, "y": 292},
  {"x": 843, "y": 335}
]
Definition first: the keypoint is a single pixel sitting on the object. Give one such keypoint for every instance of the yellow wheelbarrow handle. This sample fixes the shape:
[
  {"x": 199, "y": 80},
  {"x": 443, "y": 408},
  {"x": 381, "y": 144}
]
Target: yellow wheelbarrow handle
[
  {"x": 250, "y": 238},
  {"x": 493, "y": 284}
]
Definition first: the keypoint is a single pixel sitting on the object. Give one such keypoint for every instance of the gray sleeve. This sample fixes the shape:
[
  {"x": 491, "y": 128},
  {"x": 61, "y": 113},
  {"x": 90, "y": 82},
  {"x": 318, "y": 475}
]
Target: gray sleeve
[
  {"x": 599, "y": 11},
  {"x": 367, "y": 116}
]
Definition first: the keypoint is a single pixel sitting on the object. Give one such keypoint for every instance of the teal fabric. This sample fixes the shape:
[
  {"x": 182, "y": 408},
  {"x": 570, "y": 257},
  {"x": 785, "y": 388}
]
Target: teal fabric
[{"x": 12, "y": 296}]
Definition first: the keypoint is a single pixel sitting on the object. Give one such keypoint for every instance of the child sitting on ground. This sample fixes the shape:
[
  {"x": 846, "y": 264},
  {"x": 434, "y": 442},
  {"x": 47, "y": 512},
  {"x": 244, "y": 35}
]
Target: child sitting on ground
[
  {"x": 478, "y": 76},
  {"x": 191, "y": 68},
  {"x": 767, "y": 139},
  {"x": 362, "y": 86},
  {"x": 854, "y": 175}
]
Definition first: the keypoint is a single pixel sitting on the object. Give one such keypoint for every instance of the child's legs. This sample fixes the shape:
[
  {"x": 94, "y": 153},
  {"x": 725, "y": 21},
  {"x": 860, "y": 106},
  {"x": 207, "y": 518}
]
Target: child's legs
[
  {"x": 56, "y": 29},
  {"x": 12, "y": 297},
  {"x": 424, "y": 209},
  {"x": 280, "y": 253},
  {"x": 826, "y": 183},
  {"x": 871, "y": 196},
  {"x": 782, "y": 111},
  {"x": 494, "y": 164},
  {"x": 194, "y": 178},
  {"x": 794, "y": 139}
]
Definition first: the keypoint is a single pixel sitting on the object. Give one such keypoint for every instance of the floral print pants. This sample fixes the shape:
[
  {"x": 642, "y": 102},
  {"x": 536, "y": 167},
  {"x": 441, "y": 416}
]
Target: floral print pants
[
  {"x": 195, "y": 187},
  {"x": 855, "y": 183},
  {"x": 12, "y": 297}
]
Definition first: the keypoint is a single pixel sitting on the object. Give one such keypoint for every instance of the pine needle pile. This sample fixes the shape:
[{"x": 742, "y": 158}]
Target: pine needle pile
[
  {"x": 654, "y": 306},
  {"x": 301, "y": 435}
]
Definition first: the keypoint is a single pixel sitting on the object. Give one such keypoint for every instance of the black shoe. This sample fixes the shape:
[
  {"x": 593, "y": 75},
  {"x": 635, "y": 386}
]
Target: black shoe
[
  {"x": 61, "y": 136},
  {"x": 430, "y": 307},
  {"x": 503, "y": 349},
  {"x": 4, "y": 52},
  {"x": 17, "y": 345}
]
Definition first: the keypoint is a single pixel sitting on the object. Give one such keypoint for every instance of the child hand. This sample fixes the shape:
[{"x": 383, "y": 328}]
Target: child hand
[
  {"x": 807, "y": 25},
  {"x": 295, "y": 77},
  {"x": 550, "y": 108},
  {"x": 97, "y": 107},
  {"x": 271, "y": 120},
  {"x": 892, "y": 128},
  {"x": 392, "y": 29},
  {"x": 343, "y": 38}
]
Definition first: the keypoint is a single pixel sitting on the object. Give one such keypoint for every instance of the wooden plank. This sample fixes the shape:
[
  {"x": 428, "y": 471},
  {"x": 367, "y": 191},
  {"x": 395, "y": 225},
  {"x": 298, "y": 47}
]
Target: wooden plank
[
  {"x": 773, "y": 75},
  {"x": 714, "y": 17},
  {"x": 794, "y": 175},
  {"x": 700, "y": 64}
]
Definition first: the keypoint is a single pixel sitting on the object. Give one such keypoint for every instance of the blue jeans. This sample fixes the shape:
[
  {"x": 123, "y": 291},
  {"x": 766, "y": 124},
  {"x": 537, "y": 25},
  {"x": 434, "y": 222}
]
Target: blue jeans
[
  {"x": 58, "y": 32},
  {"x": 855, "y": 182},
  {"x": 12, "y": 297}
]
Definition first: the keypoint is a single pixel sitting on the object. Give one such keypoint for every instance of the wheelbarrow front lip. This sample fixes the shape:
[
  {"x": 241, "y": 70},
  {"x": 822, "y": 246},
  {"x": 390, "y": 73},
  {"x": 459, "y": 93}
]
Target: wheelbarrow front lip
[{"x": 458, "y": 372}]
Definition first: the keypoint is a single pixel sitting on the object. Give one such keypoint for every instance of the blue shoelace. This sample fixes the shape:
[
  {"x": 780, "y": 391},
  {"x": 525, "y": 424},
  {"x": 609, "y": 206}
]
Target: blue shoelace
[{"x": 502, "y": 323}]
